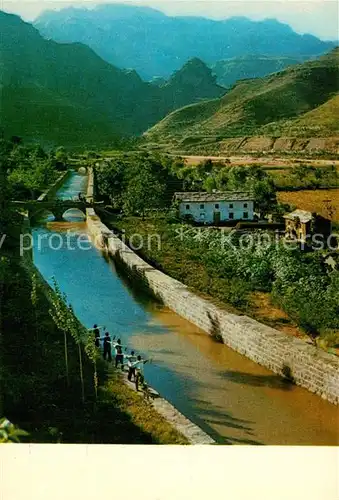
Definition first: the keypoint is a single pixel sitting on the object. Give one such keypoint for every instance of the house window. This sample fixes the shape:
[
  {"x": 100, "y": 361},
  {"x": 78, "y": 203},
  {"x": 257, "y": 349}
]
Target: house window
[
  {"x": 202, "y": 216},
  {"x": 231, "y": 205},
  {"x": 216, "y": 205},
  {"x": 245, "y": 205},
  {"x": 231, "y": 215},
  {"x": 202, "y": 206},
  {"x": 245, "y": 215},
  {"x": 187, "y": 207}
]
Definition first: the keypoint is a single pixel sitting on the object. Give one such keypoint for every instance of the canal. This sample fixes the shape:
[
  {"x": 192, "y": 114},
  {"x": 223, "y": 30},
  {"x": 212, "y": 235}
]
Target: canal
[{"x": 230, "y": 397}]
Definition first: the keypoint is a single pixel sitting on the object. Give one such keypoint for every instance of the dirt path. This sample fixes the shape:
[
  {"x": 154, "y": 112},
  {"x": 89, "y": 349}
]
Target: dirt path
[{"x": 265, "y": 161}]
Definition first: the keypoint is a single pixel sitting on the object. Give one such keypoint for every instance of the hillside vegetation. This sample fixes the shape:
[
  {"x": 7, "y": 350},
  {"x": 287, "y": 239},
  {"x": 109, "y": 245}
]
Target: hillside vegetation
[
  {"x": 229, "y": 71},
  {"x": 56, "y": 93},
  {"x": 322, "y": 120},
  {"x": 301, "y": 100}
]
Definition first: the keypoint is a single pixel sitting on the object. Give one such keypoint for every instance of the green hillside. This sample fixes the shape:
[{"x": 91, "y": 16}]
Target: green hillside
[
  {"x": 229, "y": 71},
  {"x": 323, "y": 120},
  {"x": 64, "y": 93},
  {"x": 270, "y": 105},
  {"x": 34, "y": 113}
]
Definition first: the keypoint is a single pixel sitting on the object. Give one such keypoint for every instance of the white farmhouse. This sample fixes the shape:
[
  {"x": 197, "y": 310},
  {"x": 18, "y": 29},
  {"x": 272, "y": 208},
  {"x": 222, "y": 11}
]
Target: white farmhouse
[{"x": 213, "y": 208}]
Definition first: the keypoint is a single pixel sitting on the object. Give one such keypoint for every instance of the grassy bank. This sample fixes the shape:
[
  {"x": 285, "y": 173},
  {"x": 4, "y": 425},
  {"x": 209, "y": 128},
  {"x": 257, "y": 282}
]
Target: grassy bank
[
  {"x": 36, "y": 396},
  {"x": 289, "y": 291}
]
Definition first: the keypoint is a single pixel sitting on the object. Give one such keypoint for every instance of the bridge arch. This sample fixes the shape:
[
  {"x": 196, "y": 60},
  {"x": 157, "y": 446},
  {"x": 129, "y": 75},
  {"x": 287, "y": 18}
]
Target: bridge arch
[
  {"x": 82, "y": 170},
  {"x": 60, "y": 209},
  {"x": 35, "y": 214},
  {"x": 73, "y": 212}
]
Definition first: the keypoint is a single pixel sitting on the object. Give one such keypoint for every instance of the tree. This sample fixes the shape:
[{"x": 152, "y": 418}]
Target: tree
[
  {"x": 32, "y": 178},
  {"x": 265, "y": 196},
  {"x": 92, "y": 354},
  {"x": 210, "y": 184},
  {"x": 237, "y": 178},
  {"x": 110, "y": 179},
  {"x": 302, "y": 171},
  {"x": 91, "y": 155},
  {"x": 76, "y": 330},
  {"x": 143, "y": 191},
  {"x": 61, "y": 154},
  {"x": 63, "y": 316},
  {"x": 59, "y": 314}
]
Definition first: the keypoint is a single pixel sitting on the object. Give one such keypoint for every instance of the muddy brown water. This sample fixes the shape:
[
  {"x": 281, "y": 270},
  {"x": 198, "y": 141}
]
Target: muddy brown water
[{"x": 230, "y": 397}]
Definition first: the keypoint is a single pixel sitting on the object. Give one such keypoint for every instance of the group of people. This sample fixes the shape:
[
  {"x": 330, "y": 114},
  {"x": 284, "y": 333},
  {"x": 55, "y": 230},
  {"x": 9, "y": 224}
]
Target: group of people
[{"x": 135, "y": 363}]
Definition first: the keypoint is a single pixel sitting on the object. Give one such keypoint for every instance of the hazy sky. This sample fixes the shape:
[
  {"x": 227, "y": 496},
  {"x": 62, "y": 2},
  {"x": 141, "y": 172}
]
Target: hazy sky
[{"x": 318, "y": 17}]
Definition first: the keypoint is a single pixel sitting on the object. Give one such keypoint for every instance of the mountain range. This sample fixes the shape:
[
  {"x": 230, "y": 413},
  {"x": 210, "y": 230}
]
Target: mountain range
[
  {"x": 300, "y": 101},
  {"x": 155, "y": 44},
  {"x": 65, "y": 93},
  {"x": 229, "y": 71}
]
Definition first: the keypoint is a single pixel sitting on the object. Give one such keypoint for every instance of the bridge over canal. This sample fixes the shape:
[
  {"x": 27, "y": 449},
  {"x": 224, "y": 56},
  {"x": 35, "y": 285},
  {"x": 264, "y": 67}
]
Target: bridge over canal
[{"x": 55, "y": 206}]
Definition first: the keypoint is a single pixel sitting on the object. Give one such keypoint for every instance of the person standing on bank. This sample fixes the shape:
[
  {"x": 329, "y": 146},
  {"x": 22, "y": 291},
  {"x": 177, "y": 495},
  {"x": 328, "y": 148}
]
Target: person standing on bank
[
  {"x": 139, "y": 369},
  {"x": 97, "y": 335},
  {"x": 107, "y": 347},
  {"x": 131, "y": 369},
  {"x": 119, "y": 357}
]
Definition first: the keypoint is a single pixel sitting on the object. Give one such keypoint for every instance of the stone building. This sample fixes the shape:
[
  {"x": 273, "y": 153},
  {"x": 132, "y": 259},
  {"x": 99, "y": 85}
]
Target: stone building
[
  {"x": 302, "y": 226},
  {"x": 217, "y": 207}
]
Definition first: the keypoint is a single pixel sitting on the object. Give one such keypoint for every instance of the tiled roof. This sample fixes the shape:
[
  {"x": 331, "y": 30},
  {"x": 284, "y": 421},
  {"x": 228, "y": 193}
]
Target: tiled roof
[
  {"x": 202, "y": 197},
  {"x": 303, "y": 215}
]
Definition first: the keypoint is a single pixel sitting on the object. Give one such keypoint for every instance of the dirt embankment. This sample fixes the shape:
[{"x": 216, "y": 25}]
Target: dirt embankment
[
  {"x": 281, "y": 144},
  {"x": 278, "y": 164}
]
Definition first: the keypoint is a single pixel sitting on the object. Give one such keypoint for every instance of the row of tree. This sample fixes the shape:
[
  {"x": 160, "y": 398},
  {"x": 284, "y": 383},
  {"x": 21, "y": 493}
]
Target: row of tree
[{"x": 139, "y": 182}]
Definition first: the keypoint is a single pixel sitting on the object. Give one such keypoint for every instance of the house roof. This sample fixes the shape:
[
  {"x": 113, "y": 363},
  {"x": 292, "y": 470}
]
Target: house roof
[
  {"x": 199, "y": 196},
  {"x": 303, "y": 215}
]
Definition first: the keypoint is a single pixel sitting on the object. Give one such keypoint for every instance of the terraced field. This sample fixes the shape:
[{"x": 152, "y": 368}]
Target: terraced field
[{"x": 323, "y": 201}]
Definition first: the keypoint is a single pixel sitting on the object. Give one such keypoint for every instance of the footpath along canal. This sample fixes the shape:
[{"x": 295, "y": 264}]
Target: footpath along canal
[{"x": 230, "y": 397}]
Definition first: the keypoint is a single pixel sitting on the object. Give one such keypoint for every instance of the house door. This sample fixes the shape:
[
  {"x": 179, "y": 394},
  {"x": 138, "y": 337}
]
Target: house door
[{"x": 216, "y": 218}]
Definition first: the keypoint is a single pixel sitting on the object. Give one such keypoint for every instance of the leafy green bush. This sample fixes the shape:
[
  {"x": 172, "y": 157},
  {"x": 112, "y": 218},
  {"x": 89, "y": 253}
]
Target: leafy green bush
[{"x": 228, "y": 268}]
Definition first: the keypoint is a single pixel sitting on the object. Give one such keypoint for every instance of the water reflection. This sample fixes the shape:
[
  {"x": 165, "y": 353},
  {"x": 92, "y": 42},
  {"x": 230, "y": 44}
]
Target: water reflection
[{"x": 233, "y": 399}]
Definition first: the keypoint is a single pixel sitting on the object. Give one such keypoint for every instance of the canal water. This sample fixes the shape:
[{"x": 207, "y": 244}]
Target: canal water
[{"x": 232, "y": 398}]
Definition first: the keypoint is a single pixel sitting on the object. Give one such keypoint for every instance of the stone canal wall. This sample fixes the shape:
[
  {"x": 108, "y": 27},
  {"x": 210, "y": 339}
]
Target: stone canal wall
[
  {"x": 307, "y": 365},
  {"x": 90, "y": 186},
  {"x": 54, "y": 187}
]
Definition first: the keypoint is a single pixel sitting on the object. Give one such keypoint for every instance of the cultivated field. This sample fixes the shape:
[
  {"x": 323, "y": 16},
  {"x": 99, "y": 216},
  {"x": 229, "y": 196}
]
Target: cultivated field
[
  {"x": 266, "y": 162},
  {"x": 323, "y": 201}
]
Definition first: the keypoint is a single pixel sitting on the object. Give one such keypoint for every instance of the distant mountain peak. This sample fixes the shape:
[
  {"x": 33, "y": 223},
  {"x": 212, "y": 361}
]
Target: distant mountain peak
[
  {"x": 261, "y": 107},
  {"x": 193, "y": 72},
  {"x": 156, "y": 44},
  {"x": 124, "y": 10}
]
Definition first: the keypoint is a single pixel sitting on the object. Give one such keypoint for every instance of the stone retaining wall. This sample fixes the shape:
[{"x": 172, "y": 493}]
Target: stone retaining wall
[
  {"x": 90, "y": 186},
  {"x": 192, "y": 432},
  {"x": 307, "y": 365},
  {"x": 54, "y": 187}
]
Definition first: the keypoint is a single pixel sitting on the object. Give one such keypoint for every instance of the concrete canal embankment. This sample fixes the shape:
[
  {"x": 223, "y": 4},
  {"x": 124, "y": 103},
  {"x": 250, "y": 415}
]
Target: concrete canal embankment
[
  {"x": 306, "y": 365},
  {"x": 50, "y": 192}
]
